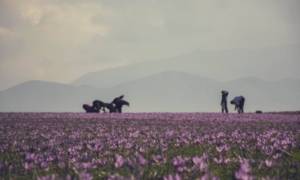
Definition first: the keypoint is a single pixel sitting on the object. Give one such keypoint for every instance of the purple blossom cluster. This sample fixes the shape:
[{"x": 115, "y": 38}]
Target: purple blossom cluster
[{"x": 149, "y": 146}]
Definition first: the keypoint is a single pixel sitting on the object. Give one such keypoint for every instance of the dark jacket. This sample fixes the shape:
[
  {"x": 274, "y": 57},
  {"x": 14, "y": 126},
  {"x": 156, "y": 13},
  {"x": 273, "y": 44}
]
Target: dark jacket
[
  {"x": 90, "y": 109},
  {"x": 238, "y": 100},
  {"x": 224, "y": 97},
  {"x": 121, "y": 102},
  {"x": 111, "y": 107},
  {"x": 115, "y": 100},
  {"x": 98, "y": 105}
]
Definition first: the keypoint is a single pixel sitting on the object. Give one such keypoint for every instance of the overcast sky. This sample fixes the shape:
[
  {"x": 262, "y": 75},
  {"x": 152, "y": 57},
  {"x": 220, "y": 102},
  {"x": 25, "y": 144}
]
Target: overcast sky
[{"x": 61, "y": 40}]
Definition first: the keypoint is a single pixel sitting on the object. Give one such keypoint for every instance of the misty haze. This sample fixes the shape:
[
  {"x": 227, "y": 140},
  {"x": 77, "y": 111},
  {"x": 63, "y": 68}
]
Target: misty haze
[
  {"x": 163, "y": 56},
  {"x": 154, "y": 89}
]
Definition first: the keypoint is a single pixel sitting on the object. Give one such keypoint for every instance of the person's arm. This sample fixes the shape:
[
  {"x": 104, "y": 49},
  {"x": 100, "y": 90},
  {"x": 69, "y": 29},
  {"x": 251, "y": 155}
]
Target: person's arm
[
  {"x": 226, "y": 93},
  {"x": 123, "y": 102}
]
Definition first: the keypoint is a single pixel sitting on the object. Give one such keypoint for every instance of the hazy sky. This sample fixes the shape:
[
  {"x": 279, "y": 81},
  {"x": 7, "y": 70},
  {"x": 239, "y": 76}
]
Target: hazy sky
[{"x": 61, "y": 40}]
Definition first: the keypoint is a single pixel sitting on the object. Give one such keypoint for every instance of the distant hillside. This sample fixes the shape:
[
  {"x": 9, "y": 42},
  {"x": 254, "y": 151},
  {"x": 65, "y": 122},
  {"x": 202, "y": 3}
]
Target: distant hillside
[
  {"x": 223, "y": 65},
  {"x": 181, "y": 92},
  {"x": 169, "y": 91},
  {"x": 39, "y": 96}
]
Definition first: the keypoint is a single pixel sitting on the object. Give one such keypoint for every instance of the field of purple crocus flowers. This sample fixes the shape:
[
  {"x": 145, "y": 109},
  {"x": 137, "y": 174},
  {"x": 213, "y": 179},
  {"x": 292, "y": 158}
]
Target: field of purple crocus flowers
[{"x": 149, "y": 146}]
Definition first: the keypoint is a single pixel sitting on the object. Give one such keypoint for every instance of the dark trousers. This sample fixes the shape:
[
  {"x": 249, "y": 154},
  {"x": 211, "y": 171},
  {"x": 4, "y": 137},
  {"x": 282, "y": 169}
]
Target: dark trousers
[
  {"x": 119, "y": 109},
  {"x": 111, "y": 108},
  {"x": 224, "y": 107},
  {"x": 242, "y": 105}
]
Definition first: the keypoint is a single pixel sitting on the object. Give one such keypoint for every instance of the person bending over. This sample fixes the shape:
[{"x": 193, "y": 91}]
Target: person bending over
[
  {"x": 90, "y": 109},
  {"x": 99, "y": 105},
  {"x": 239, "y": 102},
  {"x": 111, "y": 107},
  {"x": 119, "y": 104}
]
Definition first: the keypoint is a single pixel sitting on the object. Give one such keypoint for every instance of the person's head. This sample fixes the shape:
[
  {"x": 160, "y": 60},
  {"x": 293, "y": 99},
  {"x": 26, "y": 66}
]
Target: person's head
[
  {"x": 121, "y": 97},
  {"x": 231, "y": 102},
  {"x": 223, "y": 92}
]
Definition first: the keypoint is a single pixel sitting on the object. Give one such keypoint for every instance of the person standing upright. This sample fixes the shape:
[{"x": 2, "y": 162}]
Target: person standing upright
[{"x": 224, "y": 101}]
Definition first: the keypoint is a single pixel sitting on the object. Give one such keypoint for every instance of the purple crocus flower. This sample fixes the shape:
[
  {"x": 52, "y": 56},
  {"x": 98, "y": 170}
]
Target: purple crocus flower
[
  {"x": 44, "y": 165},
  {"x": 85, "y": 176},
  {"x": 129, "y": 145},
  {"x": 240, "y": 175},
  {"x": 180, "y": 169},
  {"x": 209, "y": 177},
  {"x": 277, "y": 156},
  {"x": 86, "y": 165},
  {"x": 268, "y": 163},
  {"x": 119, "y": 161},
  {"x": 142, "y": 160},
  {"x": 220, "y": 149},
  {"x": 196, "y": 160},
  {"x": 219, "y": 160},
  {"x": 170, "y": 177},
  {"x": 28, "y": 166},
  {"x": 227, "y": 161},
  {"x": 103, "y": 162},
  {"x": 135, "y": 134},
  {"x": 245, "y": 167},
  {"x": 203, "y": 166},
  {"x": 143, "y": 150},
  {"x": 165, "y": 148},
  {"x": 47, "y": 177},
  {"x": 62, "y": 165},
  {"x": 177, "y": 161}
]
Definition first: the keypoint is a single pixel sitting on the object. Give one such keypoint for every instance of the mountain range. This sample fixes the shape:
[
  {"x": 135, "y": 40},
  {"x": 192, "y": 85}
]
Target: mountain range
[
  {"x": 169, "y": 91},
  {"x": 273, "y": 63},
  {"x": 175, "y": 84}
]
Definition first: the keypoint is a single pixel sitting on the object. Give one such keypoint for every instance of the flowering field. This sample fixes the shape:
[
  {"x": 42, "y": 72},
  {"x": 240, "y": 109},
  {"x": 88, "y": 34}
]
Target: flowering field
[{"x": 149, "y": 146}]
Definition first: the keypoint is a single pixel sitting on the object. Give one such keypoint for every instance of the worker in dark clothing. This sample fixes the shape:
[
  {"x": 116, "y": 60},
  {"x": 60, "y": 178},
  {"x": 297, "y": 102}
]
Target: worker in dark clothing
[
  {"x": 90, "y": 109},
  {"x": 117, "y": 98},
  {"x": 111, "y": 107},
  {"x": 119, "y": 103},
  {"x": 99, "y": 105},
  {"x": 239, "y": 102},
  {"x": 224, "y": 101}
]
